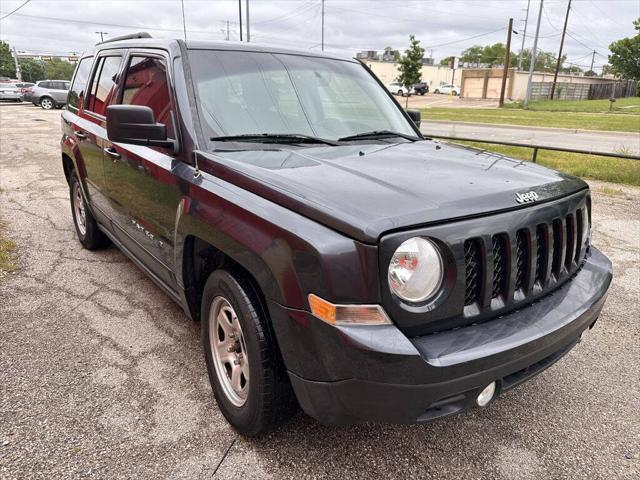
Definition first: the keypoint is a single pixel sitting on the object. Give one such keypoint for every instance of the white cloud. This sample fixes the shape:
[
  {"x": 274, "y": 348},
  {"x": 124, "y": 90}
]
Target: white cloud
[{"x": 66, "y": 26}]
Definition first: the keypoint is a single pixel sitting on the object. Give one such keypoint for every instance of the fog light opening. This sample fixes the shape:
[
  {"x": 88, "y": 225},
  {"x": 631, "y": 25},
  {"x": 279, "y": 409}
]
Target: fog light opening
[{"x": 486, "y": 395}]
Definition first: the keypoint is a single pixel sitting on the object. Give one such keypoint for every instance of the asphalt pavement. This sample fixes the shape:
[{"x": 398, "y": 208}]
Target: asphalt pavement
[
  {"x": 102, "y": 375},
  {"x": 597, "y": 141}
]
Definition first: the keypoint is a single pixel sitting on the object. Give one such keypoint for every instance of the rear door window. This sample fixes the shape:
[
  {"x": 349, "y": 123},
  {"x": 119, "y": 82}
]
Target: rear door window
[
  {"x": 76, "y": 92},
  {"x": 103, "y": 89}
]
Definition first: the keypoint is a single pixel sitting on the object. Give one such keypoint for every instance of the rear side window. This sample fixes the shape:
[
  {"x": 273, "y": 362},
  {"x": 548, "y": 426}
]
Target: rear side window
[
  {"x": 102, "y": 87},
  {"x": 146, "y": 84},
  {"x": 76, "y": 93},
  {"x": 44, "y": 84}
]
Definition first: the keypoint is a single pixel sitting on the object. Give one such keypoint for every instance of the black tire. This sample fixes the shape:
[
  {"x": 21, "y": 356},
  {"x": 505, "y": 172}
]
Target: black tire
[
  {"x": 270, "y": 400},
  {"x": 89, "y": 234},
  {"x": 399, "y": 93},
  {"x": 436, "y": 91},
  {"x": 454, "y": 93},
  {"x": 47, "y": 103}
]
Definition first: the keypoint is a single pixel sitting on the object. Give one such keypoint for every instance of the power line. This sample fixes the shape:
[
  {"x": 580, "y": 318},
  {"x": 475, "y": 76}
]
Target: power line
[
  {"x": 464, "y": 39},
  {"x": 14, "y": 11}
]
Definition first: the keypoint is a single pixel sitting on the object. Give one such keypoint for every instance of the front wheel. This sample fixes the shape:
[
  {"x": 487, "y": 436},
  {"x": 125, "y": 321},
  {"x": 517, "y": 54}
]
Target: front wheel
[
  {"x": 246, "y": 371},
  {"x": 399, "y": 93},
  {"x": 454, "y": 93},
  {"x": 89, "y": 234},
  {"x": 47, "y": 103},
  {"x": 436, "y": 91}
]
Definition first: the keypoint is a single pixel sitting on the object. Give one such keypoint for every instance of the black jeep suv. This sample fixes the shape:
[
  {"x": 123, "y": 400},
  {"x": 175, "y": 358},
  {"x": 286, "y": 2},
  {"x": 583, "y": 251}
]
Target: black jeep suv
[{"x": 335, "y": 258}]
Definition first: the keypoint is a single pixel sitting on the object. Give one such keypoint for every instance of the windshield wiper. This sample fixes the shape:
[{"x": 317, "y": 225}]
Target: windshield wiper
[
  {"x": 378, "y": 134},
  {"x": 274, "y": 138}
]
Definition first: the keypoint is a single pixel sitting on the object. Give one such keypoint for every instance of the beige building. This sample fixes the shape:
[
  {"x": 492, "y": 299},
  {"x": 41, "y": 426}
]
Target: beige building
[
  {"x": 433, "y": 75},
  {"x": 487, "y": 82}
]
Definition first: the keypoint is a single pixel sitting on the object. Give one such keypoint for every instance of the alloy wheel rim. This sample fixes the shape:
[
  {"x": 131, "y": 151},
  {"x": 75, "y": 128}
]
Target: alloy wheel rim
[
  {"x": 46, "y": 103},
  {"x": 79, "y": 210},
  {"x": 229, "y": 351}
]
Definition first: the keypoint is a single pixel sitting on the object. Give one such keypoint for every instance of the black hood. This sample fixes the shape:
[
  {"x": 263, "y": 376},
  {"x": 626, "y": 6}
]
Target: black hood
[{"x": 367, "y": 190}]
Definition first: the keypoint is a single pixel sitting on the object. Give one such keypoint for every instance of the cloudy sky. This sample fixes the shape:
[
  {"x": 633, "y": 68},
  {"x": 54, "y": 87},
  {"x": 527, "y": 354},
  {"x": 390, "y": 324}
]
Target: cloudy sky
[{"x": 445, "y": 27}]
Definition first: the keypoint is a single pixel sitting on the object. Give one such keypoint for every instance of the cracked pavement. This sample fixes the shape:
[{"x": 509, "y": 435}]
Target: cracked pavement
[{"x": 102, "y": 375}]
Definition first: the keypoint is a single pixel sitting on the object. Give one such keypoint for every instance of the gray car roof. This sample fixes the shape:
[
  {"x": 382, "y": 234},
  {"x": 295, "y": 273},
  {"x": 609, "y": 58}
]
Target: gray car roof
[{"x": 211, "y": 45}]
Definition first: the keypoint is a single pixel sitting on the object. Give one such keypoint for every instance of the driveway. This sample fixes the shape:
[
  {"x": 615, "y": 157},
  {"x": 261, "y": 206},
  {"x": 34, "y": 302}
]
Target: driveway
[
  {"x": 598, "y": 141},
  {"x": 102, "y": 376}
]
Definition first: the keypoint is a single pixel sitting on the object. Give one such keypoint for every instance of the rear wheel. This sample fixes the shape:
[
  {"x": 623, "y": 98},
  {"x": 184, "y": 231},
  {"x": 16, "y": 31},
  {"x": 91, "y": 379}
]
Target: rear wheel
[
  {"x": 436, "y": 91},
  {"x": 399, "y": 93},
  {"x": 89, "y": 234},
  {"x": 47, "y": 103},
  {"x": 454, "y": 93},
  {"x": 246, "y": 371}
]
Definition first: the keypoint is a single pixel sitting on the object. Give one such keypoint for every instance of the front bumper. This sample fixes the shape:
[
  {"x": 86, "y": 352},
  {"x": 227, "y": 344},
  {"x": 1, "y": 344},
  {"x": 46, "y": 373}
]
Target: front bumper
[{"x": 344, "y": 375}]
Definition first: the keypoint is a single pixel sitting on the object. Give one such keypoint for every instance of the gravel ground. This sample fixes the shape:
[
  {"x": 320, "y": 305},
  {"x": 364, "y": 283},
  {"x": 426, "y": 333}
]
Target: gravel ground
[{"x": 102, "y": 376}]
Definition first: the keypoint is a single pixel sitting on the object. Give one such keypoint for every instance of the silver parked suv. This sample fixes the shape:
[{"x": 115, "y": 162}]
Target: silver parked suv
[{"x": 50, "y": 93}]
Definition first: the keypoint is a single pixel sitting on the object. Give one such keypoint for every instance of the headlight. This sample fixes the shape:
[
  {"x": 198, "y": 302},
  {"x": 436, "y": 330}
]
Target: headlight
[{"x": 416, "y": 270}]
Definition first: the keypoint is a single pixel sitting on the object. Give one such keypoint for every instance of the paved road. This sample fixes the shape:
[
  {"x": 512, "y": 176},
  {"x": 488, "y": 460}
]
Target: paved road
[
  {"x": 615, "y": 142},
  {"x": 102, "y": 376}
]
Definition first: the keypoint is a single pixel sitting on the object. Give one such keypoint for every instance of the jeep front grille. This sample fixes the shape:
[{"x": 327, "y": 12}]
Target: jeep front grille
[{"x": 522, "y": 263}]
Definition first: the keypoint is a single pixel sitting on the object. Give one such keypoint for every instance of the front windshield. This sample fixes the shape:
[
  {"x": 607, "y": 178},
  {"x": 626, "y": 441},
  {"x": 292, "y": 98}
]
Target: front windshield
[{"x": 242, "y": 93}]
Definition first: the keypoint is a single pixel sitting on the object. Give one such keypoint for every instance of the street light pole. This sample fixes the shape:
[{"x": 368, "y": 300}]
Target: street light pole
[
  {"x": 248, "y": 30},
  {"x": 533, "y": 57},
  {"x": 524, "y": 36}
]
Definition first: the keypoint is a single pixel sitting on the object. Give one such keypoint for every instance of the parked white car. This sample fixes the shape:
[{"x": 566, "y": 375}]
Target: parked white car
[
  {"x": 397, "y": 88},
  {"x": 9, "y": 91},
  {"x": 447, "y": 88}
]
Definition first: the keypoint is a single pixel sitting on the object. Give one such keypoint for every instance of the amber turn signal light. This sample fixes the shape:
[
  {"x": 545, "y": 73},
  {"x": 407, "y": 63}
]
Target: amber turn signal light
[{"x": 347, "y": 314}]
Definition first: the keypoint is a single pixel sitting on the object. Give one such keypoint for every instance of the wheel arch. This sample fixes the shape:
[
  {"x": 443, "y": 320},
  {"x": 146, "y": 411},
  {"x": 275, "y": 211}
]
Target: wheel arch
[{"x": 199, "y": 259}]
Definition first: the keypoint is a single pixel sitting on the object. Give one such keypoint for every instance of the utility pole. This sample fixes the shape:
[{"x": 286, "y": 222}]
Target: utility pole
[
  {"x": 593, "y": 59},
  {"x": 524, "y": 36},
  {"x": 322, "y": 26},
  {"x": 507, "y": 58},
  {"x": 248, "y": 30},
  {"x": 184, "y": 22},
  {"x": 533, "y": 57},
  {"x": 240, "y": 17},
  {"x": 15, "y": 59},
  {"x": 102, "y": 34},
  {"x": 227, "y": 30},
  {"x": 564, "y": 30}
]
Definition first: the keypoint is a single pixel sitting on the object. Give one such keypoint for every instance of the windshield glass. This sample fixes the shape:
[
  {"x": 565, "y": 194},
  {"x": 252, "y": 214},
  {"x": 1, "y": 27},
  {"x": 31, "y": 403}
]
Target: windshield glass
[{"x": 256, "y": 93}]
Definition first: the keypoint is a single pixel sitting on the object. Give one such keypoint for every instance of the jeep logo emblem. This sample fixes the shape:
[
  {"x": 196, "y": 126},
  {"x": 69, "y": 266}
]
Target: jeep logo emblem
[{"x": 526, "y": 197}]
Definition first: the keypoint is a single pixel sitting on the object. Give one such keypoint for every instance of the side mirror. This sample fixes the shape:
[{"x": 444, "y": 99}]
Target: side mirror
[
  {"x": 415, "y": 116},
  {"x": 136, "y": 124}
]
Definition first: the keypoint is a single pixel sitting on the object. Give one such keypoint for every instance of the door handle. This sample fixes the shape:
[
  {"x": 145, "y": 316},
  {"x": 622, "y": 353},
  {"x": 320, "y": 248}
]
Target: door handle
[
  {"x": 79, "y": 134},
  {"x": 111, "y": 153}
]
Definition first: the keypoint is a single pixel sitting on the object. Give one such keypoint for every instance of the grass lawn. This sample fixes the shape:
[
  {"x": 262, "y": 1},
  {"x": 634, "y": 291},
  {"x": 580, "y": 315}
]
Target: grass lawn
[
  {"x": 7, "y": 248},
  {"x": 630, "y": 105},
  {"x": 584, "y": 114},
  {"x": 615, "y": 170}
]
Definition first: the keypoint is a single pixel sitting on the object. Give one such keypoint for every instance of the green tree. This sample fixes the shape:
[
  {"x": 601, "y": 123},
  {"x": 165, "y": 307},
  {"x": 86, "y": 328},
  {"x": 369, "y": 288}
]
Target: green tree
[
  {"x": 57, "y": 69},
  {"x": 493, "y": 55},
  {"x": 391, "y": 51},
  {"x": 411, "y": 65},
  {"x": 32, "y": 70},
  {"x": 7, "y": 65},
  {"x": 445, "y": 62},
  {"x": 472, "y": 55},
  {"x": 625, "y": 55},
  {"x": 545, "y": 61}
]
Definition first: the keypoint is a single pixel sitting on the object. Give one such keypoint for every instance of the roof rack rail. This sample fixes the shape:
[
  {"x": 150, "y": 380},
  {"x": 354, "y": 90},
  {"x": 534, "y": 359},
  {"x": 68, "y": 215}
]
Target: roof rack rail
[{"x": 131, "y": 36}]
